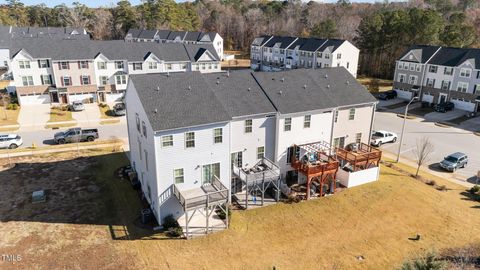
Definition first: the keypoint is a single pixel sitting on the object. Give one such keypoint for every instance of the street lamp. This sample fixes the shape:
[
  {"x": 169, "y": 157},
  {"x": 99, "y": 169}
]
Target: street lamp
[{"x": 403, "y": 127}]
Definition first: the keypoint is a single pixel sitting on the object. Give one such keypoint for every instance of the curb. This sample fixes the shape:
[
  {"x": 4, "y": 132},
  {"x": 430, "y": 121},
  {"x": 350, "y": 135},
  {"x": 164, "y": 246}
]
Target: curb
[
  {"x": 443, "y": 124},
  {"x": 409, "y": 117}
]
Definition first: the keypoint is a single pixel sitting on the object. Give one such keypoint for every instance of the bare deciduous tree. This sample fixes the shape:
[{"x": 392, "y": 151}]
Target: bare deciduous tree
[{"x": 422, "y": 151}]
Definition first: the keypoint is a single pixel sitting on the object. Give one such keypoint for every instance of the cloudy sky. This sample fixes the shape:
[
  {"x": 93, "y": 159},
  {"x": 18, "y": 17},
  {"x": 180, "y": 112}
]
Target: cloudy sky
[{"x": 96, "y": 3}]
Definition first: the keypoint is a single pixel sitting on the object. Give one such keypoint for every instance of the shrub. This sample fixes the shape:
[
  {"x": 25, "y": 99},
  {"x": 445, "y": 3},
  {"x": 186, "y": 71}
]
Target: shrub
[
  {"x": 431, "y": 182},
  {"x": 374, "y": 85},
  {"x": 442, "y": 188},
  {"x": 170, "y": 222},
  {"x": 175, "y": 232},
  {"x": 474, "y": 190},
  {"x": 429, "y": 261},
  {"x": 222, "y": 214}
]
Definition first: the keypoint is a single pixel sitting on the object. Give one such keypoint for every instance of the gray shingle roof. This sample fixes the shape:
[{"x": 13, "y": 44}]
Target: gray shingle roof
[
  {"x": 195, "y": 51},
  {"x": 312, "y": 89},
  {"x": 421, "y": 52},
  {"x": 219, "y": 97},
  {"x": 183, "y": 100},
  {"x": 259, "y": 41},
  {"x": 50, "y": 32},
  {"x": 333, "y": 44},
  {"x": 112, "y": 49},
  {"x": 177, "y": 35},
  {"x": 147, "y": 34}
]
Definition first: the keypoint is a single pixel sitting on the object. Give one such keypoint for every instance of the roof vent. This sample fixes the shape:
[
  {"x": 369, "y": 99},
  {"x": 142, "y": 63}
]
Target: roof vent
[
  {"x": 283, "y": 79},
  {"x": 218, "y": 82},
  {"x": 168, "y": 73},
  {"x": 189, "y": 87},
  {"x": 348, "y": 83},
  {"x": 280, "y": 92},
  {"x": 304, "y": 86},
  {"x": 328, "y": 86},
  {"x": 158, "y": 88},
  {"x": 326, "y": 76},
  {"x": 249, "y": 89},
  {"x": 228, "y": 73},
  {"x": 155, "y": 111}
]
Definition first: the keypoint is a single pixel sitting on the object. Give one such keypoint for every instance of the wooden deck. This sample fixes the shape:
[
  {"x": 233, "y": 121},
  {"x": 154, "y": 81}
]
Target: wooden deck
[
  {"x": 365, "y": 157},
  {"x": 209, "y": 194}
]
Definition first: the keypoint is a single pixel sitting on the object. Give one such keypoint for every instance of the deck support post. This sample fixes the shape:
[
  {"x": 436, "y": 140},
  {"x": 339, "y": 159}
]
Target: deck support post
[
  {"x": 186, "y": 222},
  {"x": 246, "y": 194}
]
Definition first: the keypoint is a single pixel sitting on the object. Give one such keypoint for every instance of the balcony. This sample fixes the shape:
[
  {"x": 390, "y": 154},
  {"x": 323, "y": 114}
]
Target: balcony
[
  {"x": 208, "y": 194},
  {"x": 316, "y": 162},
  {"x": 364, "y": 157}
]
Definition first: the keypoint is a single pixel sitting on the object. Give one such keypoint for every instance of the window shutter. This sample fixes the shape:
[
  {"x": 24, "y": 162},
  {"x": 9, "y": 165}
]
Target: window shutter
[
  {"x": 48, "y": 63},
  {"x": 89, "y": 82},
  {"x": 50, "y": 77},
  {"x": 79, "y": 65},
  {"x": 63, "y": 82},
  {"x": 39, "y": 66},
  {"x": 41, "y": 78},
  {"x": 81, "y": 79},
  {"x": 68, "y": 65},
  {"x": 60, "y": 65},
  {"x": 87, "y": 64}
]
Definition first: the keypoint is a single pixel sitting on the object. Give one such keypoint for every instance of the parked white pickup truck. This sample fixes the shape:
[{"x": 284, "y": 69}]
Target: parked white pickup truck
[{"x": 380, "y": 137}]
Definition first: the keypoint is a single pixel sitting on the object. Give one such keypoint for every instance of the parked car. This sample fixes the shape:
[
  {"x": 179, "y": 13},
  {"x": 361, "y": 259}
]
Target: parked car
[
  {"x": 77, "y": 106},
  {"x": 454, "y": 161},
  {"x": 76, "y": 135},
  {"x": 11, "y": 141},
  {"x": 444, "y": 107},
  {"x": 119, "y": 109},
  {"x": 391, "y": 94},
  {"x": 380, "y": 137}
]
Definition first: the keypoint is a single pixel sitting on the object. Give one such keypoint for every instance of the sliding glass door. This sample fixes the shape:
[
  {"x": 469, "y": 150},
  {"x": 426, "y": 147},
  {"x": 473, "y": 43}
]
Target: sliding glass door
[{"x": 210, "y": 170}]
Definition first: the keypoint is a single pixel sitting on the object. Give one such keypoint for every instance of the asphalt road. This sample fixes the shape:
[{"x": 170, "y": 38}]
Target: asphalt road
[
  {"x": 45, "y": 137},
  {"x": 444, "y": 140}
]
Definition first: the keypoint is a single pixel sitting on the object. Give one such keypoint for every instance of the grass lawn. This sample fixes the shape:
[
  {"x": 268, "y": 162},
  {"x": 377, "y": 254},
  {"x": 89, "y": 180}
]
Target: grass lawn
[
  {"x": 419, "y": 111},
  {"x": 373, "y": 221},
  {"x": 57, "y": 115},
  {"x": 11, "y": 117}
]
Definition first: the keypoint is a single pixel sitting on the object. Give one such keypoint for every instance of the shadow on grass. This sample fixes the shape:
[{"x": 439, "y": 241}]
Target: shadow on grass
[
  {"x": 436, "y": 167},
  {"x": 82, "y": 190}
]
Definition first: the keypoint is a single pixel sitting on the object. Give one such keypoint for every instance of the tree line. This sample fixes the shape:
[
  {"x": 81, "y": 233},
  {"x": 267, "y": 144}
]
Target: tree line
[{"x": 382, "y": 31}]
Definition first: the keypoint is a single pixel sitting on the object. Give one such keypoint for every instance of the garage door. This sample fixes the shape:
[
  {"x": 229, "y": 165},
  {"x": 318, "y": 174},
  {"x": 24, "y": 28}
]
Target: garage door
[
  {"x": 427, "y": 98},
  {"x": 34, "y": 99},
  {"x": 407, "y": 95},
  {"x": 463, "y": 105}
]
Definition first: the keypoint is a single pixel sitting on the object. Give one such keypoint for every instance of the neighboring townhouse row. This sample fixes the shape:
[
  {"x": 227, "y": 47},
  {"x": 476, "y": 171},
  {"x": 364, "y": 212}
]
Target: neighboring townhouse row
[
  {"x": 242, "y": 121},
  {"x": 9, "y": 32},
  {"x": 167, "y": 36},
  {"x": 439, "y": 74},
  {"x": 275, "y": 53},
  {"x": 63, "y": 71}
]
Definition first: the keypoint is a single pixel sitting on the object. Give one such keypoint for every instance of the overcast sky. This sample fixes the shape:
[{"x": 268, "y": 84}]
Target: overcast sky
[{"x": 96, "y": 3}]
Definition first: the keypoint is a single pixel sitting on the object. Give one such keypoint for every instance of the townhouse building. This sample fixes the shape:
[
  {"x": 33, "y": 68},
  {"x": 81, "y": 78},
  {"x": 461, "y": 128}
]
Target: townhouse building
[
  {"x": 439, "y": 74},
  {"x": 275, "y": 53},
  {"x": 186, "y": 37},
  {"x": 62, "y": 71},
  {"x": 244, "y": 121}
]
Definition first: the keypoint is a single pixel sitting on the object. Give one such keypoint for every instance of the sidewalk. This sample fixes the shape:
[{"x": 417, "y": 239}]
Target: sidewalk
[{"x": 447, "y": 176}]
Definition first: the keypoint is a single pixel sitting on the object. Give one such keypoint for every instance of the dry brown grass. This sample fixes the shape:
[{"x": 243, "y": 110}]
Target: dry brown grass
[
  {"x": 59, "y": 115},
  {"x": 384, "y": 85},
  {"x": 373, "y": 221},
  {"x": 11, "y": 116}
]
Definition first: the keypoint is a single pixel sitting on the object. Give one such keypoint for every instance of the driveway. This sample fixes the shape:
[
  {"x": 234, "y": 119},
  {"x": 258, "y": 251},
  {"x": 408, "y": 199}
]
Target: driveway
[
  {"x": 441, "y": 117},
  {"x": 444, "y": 140},
  {"x": 88, "y": 117},
  {"x": 33, "y": 116},
  {"x": 471, "y": 124}
]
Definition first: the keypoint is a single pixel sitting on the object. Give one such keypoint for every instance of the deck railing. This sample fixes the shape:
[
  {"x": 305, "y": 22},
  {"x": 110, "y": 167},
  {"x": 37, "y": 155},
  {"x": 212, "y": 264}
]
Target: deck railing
[
  {"x": 272, "y": 172},
  {"x": 328, "y": 164},
  {"x": 218, "y": 195}
]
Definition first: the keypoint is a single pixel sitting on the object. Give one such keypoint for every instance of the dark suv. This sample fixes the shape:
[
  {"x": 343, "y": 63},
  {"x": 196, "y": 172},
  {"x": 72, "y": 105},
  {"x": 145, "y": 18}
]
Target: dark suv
[
  {"x": 444, "y": 107},
  {"x": 391, "y": 94}
]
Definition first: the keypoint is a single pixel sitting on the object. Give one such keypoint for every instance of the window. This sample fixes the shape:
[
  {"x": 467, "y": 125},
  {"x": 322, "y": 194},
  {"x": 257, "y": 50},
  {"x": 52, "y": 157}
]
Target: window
[
  {"x": 358, "y": 138},
  {"x": 401, "y": 78},
  {"x": 413, "y": 79},
  {"x": 67, "y": 81},
  {"x": 445, "y": 85},
  {"x": 339, "y": 56},
  {"x": 85, "y": 79},
  {"x": 167, "y": 141},
  {"x": 335, "y": 117},
  {"x": 412, "y": 67},
  {"x": 169, "y": 66},
  {"x": 306, "y": 121},
  {"x": 348, "y": 64},
  {"x": 27, "y": 80},
  {"x": 400, "y": 65},
  {"x": 430, "y": 82},
  {"x": 121, "y": 79},
  {"x": 43, "y": 63},
  {"x": 290, "y": 152},
  {"x": 137, "y": 66},
  {"x": 248, "y": 125},
  {"x": 287, "y": 125},
  {"x": 178, "y": 176},
  {"x": 260, "y": 152},
  {"x": 462, "y": 87},
  {"x": 448, "y": 71},
  {"x": 418, "y": 67},
  {"x": 24, "y": 64},
  {"x": 217, "y": 135},
  {"x": 82, "y": 64},
  {"x": 46, "y": 79},
  {"x": 319, "y": 54},
  {"x": 103, "y": 80},
  {"x": 476, "y": 89},
  {"x": 63, "y": 65},
  {"x": 327, "y": 65},
  {"x": 339, "y": 142},
  {"x": 137, "y": 119},
  {"x": 327, "y": 56},
  {"x": 237, "y": 159},
  {"x": 405, "y": 66},
  {"x": 432, "y": 69},
  {"x": 351, "y": 114},
  {"x": 119, "y": 64},
  {"x": 209, "y": 171},
  {"x": 184, "y": 66},
  {"x": 152, "y": 65},
  {"x": 144, "y": 129},
  {"x": 465, "y": 72},
  {"x": 102, "y": 65},
  {"x": 189, "y": 139}
]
